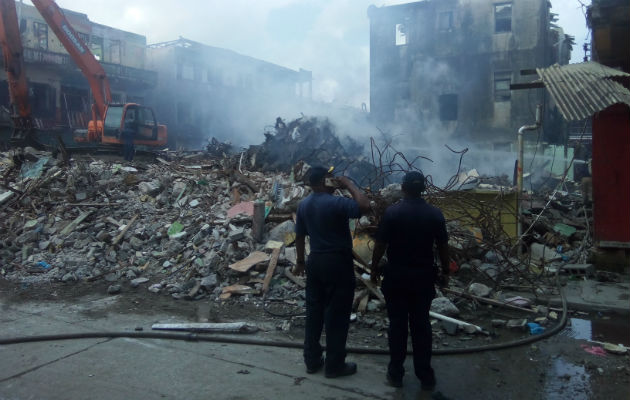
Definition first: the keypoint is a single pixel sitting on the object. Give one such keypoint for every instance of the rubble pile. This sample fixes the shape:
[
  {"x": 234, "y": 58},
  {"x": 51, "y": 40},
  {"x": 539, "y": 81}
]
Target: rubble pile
[
  {"x": 312, "y": 140},
  {"x": 184, "y": 226},
  {"x": 169, "y": 225}
]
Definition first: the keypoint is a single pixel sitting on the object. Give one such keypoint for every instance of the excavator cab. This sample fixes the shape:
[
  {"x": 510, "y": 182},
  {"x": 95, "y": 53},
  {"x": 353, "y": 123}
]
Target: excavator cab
[{"x": 135, "y": 117}]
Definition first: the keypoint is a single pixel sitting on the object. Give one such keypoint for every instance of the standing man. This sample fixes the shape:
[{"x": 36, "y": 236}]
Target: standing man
[
  {"x": 128, "y": 134},
  {"x": 330, "y": 271},
  {"x": 408, "y": 231}
]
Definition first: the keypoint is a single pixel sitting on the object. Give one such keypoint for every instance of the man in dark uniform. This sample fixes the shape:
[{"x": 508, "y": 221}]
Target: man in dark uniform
[
  {"x": 330, "y": 271},
  {"x": 408, "y": 231},
  {"x": 128, "y": 134}
]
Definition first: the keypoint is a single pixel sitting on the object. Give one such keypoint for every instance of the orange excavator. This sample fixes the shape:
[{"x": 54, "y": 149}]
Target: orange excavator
[
  {"x": 12, "y": 52},
  {"x": 108, "y": 119}
]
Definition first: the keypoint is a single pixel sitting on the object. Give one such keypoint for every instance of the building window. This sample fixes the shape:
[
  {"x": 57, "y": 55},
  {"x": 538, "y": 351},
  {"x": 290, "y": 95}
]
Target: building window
[
  {"x": 96, "y": 46},
  {"x": 178, "y": 72},
  {"x": 85, "y": 38},
  {"x": 188, "y": 72},
  {"x": 502, "y": 82},
  {"x": 503, "y": 17},
  {"x": 114, "y": 52},
  {"x": 183, "y": 113},
  {"x": 401, "y": 35},
  {"x": 445, "y": 21},
  {"x": 41, "y": 35},
  {"x": 448, "y": 107}
]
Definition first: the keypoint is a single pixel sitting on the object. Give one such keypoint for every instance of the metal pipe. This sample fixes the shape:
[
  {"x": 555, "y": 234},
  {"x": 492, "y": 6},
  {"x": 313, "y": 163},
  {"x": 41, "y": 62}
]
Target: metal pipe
[{"x": 519, "y": 179}]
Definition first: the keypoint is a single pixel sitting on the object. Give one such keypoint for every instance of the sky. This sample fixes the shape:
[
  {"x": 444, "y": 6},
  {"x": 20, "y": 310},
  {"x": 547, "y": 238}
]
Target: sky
[{"x": 328, "y": 37}]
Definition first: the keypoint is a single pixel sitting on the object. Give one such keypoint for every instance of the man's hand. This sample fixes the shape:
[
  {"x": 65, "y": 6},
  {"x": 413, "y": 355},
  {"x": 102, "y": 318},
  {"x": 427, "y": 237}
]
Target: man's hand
[
  {"x": 344, "y": 181},
  {"x": 299, "y": 268}
]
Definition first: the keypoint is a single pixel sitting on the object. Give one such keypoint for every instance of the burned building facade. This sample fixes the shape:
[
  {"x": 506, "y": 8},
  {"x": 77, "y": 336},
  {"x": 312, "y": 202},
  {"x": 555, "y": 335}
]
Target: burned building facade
[
  {"x": 445, "y": 67},
  {"x": 205, "y": 91},
  {"x": 59, "y": 94}
]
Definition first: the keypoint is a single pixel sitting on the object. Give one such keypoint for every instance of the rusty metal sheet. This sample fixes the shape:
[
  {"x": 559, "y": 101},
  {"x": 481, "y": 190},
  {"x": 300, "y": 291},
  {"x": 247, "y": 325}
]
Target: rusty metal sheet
[{"x": 581, "y": 90}]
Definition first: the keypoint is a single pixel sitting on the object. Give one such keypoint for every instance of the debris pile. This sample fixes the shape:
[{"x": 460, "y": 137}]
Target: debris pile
[
  {"x": 185, "y": 226},
  {"x": 312, "y": 140}
]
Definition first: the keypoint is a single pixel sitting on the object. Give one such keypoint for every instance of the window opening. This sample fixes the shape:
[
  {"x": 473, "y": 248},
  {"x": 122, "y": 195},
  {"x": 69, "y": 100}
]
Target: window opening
[
  {"x": 41, "y": 35},
  {"x": 502, "y": 82},
  {"x": 445, "y": 21},
  {"x": 401, "y": 35},
  {"x": 503, "y": 17},
  {"x": 448, "y": 107},
  {"x": 96, "y": 46}
]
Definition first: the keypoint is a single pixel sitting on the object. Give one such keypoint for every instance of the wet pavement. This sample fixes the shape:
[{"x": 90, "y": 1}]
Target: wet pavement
[{"x": 126, "y": 368}]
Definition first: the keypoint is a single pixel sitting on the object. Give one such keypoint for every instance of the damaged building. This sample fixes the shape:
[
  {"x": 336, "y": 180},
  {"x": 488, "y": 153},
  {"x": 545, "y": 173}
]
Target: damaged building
[
  {"x": 205, "y": 91},
  {"x": 445, "y": 67},
  {"x": 198, "y": 91},
  {"x": 59, "y": 94}
]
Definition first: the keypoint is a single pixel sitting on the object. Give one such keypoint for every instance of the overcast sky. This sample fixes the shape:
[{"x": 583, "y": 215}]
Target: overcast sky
[{"x": 328, "y": 37}]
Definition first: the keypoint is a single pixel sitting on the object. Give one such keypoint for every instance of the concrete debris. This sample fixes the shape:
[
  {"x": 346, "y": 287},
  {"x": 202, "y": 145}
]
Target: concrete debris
[
  {"x": 184, "y": 227},
  {"x": 442, "y": 305},
  {"x": 479, "y": 289}
]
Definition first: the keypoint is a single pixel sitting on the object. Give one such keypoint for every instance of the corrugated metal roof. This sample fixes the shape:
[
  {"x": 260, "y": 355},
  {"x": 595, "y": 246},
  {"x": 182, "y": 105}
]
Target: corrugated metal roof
[{"x": 581, "y": 90}]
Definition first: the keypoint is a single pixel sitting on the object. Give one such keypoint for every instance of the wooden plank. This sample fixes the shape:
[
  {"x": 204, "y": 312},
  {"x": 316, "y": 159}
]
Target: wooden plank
[
  {"x": 125, "y": 229},
  {"x": 238, "y": 289},
  {"x": 363, "y": 304},
  {"x": 368, "y": 284},
  {"x": 271, "y": 268},
  {"x": 72, "y": 225},
  {"x": 295, "y": 279},
  {"x": 246, "y": 264},
  {"x": 91, "y": 204},
  {"x": 113, "y": 221}
]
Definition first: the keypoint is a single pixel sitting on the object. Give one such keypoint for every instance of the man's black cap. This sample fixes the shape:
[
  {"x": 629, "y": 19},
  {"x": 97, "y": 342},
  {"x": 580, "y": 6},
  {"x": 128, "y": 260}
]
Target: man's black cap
[
  {"x": 413, "y": 182},
  {"x": 316, "y": 175}
]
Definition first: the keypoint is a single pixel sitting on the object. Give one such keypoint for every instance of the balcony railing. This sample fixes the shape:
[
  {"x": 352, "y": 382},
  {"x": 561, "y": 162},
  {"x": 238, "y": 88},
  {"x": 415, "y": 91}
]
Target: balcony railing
[{"x": 39, "y": 56}]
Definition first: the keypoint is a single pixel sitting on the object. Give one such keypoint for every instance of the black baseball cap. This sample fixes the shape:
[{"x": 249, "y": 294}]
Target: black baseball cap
[
  {"x": 316, "y": 175},
  {"x": 414, "y": 182}
]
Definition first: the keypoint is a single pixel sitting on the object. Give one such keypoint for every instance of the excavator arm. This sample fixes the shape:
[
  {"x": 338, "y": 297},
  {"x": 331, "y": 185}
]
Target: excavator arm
[
  {"x": 13, "y": 54},
  {"x": 79, "y": 52}
]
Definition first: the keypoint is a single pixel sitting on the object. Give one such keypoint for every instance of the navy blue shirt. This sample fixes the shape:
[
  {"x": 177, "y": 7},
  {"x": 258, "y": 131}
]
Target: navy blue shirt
[
  {"x": 324, "y": 218},
  {"x": 410, "y": 228}
]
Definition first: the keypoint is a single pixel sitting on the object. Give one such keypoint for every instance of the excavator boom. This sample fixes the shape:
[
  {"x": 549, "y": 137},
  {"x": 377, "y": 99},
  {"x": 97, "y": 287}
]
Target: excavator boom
[
  {"x": 13, "y": 54},
  {"x": 79, "y": 52}
]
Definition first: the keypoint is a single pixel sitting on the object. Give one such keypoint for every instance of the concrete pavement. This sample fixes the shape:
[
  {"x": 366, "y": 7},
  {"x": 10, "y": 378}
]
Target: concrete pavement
[{"x": 165, "y": 369}]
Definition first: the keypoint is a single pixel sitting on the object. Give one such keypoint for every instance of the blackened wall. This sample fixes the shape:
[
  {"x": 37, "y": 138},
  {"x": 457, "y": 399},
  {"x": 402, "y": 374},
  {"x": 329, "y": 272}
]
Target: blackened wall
[{"x": 440, "y": 78}]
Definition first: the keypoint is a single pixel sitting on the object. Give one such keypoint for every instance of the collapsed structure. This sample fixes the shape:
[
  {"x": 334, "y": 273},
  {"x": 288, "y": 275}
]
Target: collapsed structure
[{"x": 186, "y": 226}]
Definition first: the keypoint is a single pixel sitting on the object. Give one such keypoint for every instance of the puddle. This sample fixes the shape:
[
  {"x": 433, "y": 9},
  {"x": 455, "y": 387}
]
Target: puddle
[
  {"x": 615, "y": 330},
  {"x": 567, "y": 381}
]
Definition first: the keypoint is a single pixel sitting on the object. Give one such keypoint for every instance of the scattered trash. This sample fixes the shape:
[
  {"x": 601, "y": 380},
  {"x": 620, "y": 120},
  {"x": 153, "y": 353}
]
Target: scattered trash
[{"x": 535, "y": 329}]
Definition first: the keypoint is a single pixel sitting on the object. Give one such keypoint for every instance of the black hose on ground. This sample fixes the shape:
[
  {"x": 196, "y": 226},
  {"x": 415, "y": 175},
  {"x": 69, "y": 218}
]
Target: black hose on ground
[{"x": 279, "y": 343}]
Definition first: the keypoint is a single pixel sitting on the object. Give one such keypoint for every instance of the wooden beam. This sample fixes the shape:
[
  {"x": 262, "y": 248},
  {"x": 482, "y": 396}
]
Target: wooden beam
[
  {"x": 528, "y": 85},
  {"x": 295, "y": 279},
  {"x": 270, "y": 269},
  {"x": 125, "y": 229},
  {"x": 72, "y": 225},
  {"x": 368, "y": 284}
]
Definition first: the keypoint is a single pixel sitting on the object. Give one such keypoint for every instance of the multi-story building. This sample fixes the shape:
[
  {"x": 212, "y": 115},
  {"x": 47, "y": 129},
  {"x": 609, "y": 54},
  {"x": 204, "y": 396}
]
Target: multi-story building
[
  {"x": 205, "y": 92},
  {"x": 445, "y": 67},
  {"x": 59, "y": 93}
]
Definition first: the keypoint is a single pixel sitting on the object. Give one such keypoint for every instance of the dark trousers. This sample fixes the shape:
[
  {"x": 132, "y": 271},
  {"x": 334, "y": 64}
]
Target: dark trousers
[
  {"x": 128, "y": 150},
  {"x": 329, "y": 293},
  {"x": 408, "y": 293}
]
